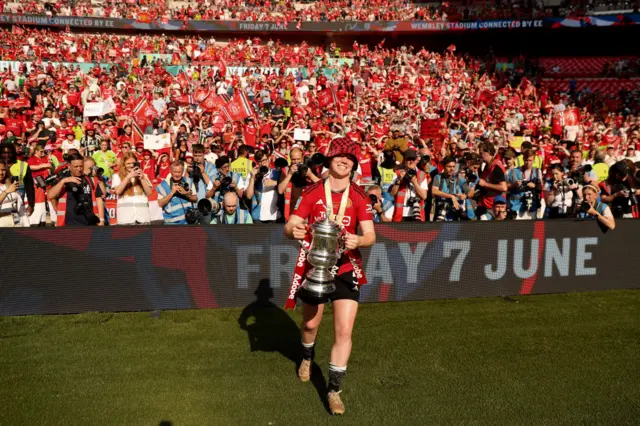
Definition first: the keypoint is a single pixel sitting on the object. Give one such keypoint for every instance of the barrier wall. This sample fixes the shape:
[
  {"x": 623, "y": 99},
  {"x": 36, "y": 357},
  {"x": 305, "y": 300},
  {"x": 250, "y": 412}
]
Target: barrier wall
[{"x": 68, "y": 270}]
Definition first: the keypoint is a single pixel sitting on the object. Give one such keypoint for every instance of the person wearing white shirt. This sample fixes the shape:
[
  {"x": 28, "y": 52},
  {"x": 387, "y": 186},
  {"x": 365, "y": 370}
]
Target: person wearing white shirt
[
  {"x": 70, "y": 143},
  {"x": 10, "y": 201},
  {"x": 133, "y": 189}
]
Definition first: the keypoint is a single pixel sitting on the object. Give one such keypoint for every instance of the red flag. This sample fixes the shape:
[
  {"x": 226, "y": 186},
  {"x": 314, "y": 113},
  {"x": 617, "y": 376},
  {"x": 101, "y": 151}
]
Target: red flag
[
  {"x": 527, "y": 86},
  {"x": 222, "y": 68},
  {"x": 16, "y": 30},
  {"x": 183, "y": 81},
  {"x": 327, "y": 97},
  {"x": 21, "y": 103},
  {"x": 214, "y": 102},
  {"x": 144, "y": 17},
  {"x": 451, "y": 48},
  {"x": 200, "y": 95},
  {"x": 137, "y": 134},
  {"x": 572, "y": 116},
  {"x": 486, "y": 96},
  {"x": 143, "y": 113},
  {"x": 238, "y": 108},
  {"x": 184, "y": 99}
]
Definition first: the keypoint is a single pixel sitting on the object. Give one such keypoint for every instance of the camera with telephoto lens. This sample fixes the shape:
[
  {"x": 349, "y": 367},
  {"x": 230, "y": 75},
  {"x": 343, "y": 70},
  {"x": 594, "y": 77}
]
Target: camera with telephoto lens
[
  {"x": 316, "y": 160},
  {"x": 414, "y": 203},
  {"x": 577, "y": 176},
  {"x": 53, "y": 179},
  {"x": 202, "y": 213},
  {"x": 443, "y": 209}
]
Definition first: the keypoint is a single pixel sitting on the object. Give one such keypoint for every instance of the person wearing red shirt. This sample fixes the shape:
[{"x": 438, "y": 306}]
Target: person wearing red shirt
[
  {"x": 40, "y": 166},
  {"x": 249, "y": 132},
  {"x": 348, "y": 206},
  {"x": 15, "y": 123}
]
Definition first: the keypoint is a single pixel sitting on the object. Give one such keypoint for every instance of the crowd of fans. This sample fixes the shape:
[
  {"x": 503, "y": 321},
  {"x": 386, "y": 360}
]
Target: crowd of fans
[
  {"x": 283, "y": 11},
  {"x": 440, "y": 137}
]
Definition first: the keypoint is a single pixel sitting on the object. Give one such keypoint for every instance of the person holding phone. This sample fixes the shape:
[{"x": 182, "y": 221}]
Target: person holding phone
[
  {"x": 133, "y": 189},
  {"x": 10, "y": 200}
]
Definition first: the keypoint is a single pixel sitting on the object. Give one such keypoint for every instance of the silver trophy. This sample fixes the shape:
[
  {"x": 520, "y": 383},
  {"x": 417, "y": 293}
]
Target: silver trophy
[{"x": 323, "y": 255}]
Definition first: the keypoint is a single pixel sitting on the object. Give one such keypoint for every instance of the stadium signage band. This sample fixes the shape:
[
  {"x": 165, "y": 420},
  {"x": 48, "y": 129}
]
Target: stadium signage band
[
  {"x": 161, "y": 267},
  {"x": 340, "y": 27}
]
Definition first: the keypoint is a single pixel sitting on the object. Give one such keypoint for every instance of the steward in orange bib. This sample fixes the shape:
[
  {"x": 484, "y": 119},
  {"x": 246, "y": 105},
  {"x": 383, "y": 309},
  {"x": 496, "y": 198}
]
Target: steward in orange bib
[{"x": 76, "y": 197}]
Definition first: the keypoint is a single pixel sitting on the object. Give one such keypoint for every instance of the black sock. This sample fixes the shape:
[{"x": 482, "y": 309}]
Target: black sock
[
  {"x": 336, "y": 374},
  {"x": 308, "y": 351}
]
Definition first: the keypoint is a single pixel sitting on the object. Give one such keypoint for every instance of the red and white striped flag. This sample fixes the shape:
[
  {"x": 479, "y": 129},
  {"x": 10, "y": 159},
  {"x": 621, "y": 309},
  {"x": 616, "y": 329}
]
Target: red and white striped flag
[
  {"x": 214, "y": 102},
  {"x": 143, "y": 113},
  {"x": 238, "y": 108}
]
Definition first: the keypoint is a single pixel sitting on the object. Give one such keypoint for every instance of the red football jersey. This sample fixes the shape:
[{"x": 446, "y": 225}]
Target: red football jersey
[{"x": 312, "y": 206}]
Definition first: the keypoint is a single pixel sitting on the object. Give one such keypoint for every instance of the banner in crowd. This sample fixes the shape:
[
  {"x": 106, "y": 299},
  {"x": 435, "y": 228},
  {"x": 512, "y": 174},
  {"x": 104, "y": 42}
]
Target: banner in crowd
[
  {"x": 157, "y": 142},
  {"x": 180, "y": 267},
  {"x": 312, "y": 26},
  {"x": 98, "y": 109}
]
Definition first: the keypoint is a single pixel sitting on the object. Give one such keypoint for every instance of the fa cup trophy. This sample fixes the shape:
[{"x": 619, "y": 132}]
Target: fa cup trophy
[{"x": 324, "y": 253}]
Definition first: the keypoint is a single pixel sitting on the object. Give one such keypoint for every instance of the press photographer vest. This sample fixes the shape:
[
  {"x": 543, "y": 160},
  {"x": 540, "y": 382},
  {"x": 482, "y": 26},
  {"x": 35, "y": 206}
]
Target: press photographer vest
[
  {"x": 402, "y": 194},
  {"x": 61, "y": 210}
]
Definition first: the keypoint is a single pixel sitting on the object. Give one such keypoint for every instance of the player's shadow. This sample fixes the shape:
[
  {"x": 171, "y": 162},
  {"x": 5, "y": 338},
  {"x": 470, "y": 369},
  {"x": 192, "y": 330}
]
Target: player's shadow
[{"x": 270, "y": 329}]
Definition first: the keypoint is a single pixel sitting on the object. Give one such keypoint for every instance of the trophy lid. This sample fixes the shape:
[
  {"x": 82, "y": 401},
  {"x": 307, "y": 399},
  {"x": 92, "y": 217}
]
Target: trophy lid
[{"x": 326, "y": 224}]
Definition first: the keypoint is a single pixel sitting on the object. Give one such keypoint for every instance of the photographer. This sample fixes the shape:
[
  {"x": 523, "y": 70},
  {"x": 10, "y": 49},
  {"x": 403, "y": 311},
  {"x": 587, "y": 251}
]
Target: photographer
[
  {"x": 294, "y": 180},
  {"x": 202, "y": 173},
  {"x": 262, "y": 190},
  {"x": 558, "y": 194},
  {"x": 133, "y": 188},
  {"x": 10, "y": 202},
  {"x": 592, "y": 208},
  {"x": 176, "y": 194},
  {"x": 409, "y": 190},
  {"x": 498, "y": 210},
  {"x": 448, "y": 192},
  {"x": 382, "y": 208},
  {"x": 20, "y": 170},
  {"x": 525, "y": 186},
  {"x": 81, "y": 207},
  {"x": 623, "y": 190},
  {"x": 226, "y": 181},
  {"x": 231, "y": 214}
]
